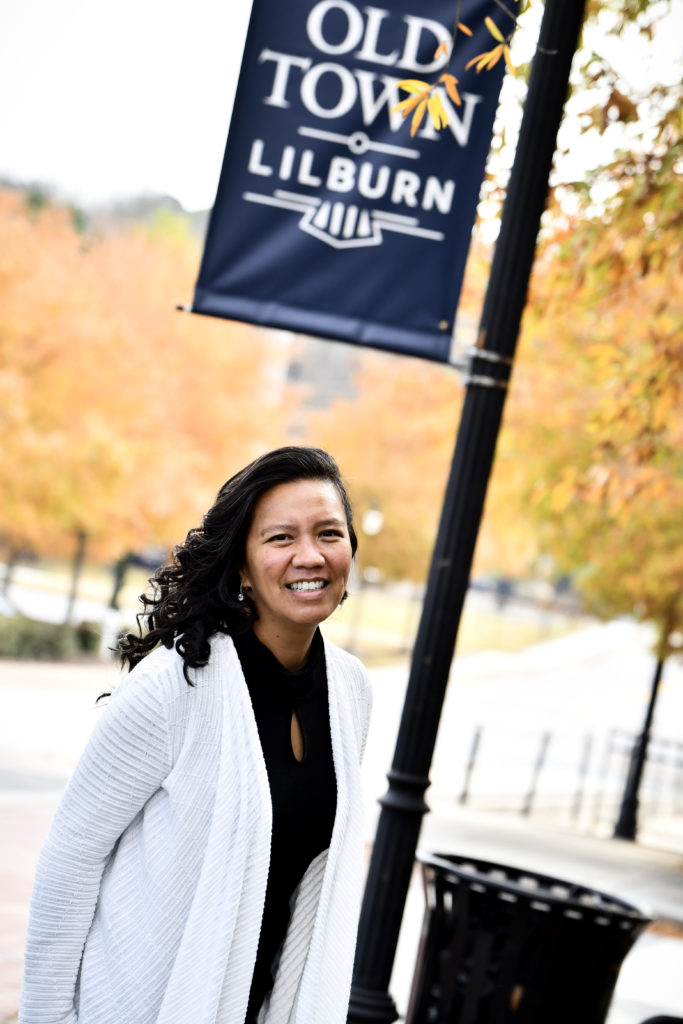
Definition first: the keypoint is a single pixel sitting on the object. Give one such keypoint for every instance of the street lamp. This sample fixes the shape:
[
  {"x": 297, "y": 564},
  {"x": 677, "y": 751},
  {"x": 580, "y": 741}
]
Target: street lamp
[
  {"x": 403, "y": 806},
  {"x": 371, "y": 524},
  {"x": 627, "y": 823}
]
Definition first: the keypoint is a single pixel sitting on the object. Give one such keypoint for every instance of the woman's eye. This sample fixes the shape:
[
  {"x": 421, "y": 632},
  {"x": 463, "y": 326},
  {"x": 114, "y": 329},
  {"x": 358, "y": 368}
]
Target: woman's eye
[
  {"x": 331, "y": 533},
  {"x": 279, "y": 537}
]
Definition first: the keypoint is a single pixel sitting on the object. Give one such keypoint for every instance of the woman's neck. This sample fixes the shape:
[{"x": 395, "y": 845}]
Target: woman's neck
[{"x": 290, "y": 649}]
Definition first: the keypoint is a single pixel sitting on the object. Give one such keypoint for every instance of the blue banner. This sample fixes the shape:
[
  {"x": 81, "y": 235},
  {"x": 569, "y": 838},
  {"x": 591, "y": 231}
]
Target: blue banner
[{"x": 330, "y": 218}]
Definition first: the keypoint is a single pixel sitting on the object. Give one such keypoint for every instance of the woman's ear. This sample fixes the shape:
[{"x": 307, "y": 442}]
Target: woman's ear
[{"x": 244, "y": 586}]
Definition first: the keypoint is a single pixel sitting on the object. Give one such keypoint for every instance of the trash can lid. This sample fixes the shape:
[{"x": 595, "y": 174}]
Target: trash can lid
[{"x": 542, "y": 891}]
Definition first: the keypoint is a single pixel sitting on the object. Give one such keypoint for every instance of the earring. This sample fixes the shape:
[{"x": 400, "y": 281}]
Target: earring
[{"x": 240, "y": 596}]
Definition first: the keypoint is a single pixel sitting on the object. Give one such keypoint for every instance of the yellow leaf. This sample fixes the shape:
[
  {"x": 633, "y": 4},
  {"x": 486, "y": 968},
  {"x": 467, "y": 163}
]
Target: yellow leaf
[
  {"x": 465, "y": 29},
  {"x": 413, "y": 85},
  {"x": 496, "y": 54},
  {"x": 451, "y": 83},
  {"x": 480, "y": 60},
  {"x": 494, "y": 30},
  {"x": 441, "y": 50},
  {"x": 417, "y": 117},
  {"x": 405, "y": 106},
  {"x": 436, "y": 111}
]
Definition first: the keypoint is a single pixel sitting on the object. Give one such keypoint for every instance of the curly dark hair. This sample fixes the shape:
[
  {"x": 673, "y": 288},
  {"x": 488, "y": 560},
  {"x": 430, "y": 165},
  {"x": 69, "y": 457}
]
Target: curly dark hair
[{"x": 194, "y": 596}]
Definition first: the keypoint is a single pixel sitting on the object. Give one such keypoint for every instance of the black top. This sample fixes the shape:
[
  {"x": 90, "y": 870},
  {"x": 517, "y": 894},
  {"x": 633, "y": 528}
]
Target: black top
[{"x": 303, "y": 793}]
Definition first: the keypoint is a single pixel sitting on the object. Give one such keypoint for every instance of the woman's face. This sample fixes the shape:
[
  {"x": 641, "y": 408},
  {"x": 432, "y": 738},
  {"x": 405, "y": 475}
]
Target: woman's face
[{"x": 298, "y": 557}]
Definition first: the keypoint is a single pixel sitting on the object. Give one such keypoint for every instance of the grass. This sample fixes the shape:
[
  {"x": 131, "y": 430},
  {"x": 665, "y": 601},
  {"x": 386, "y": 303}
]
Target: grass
[{"x": 380, "y": 624}]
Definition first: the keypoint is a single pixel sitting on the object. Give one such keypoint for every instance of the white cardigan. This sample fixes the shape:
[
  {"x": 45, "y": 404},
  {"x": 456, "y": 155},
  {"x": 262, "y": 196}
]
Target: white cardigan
[{"x": 149, "y": 890}]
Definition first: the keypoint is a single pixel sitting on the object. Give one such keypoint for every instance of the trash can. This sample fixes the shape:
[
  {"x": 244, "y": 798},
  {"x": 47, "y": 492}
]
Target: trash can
[{"x": 502, "y": 945}]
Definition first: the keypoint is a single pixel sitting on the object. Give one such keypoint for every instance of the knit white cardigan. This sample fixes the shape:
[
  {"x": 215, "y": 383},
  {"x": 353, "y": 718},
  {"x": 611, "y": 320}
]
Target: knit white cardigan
[{"x": 149, "y": 890}]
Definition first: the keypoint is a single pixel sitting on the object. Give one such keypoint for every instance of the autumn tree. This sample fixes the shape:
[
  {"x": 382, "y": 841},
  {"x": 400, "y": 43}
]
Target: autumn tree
[
  {"x": 609, "y": 256},
  {"x": 393, "y": 441},
  {"x": 120, "y": 416},
  {"x": 598, "y": 388},
  {"x": 598, "y": 356}
]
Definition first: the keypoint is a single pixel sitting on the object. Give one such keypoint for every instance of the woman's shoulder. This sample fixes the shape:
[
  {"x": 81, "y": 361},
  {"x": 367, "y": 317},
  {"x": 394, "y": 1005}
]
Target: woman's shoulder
[
  {"x": 337, "y": 654},
  {"x": 158, "y": 677},
  {"x": 166, "y": 663},
  {"x": 161, "y": 673},
  {"x": 163, "y": 663},
  {"x": 155, "y": 699},
  {"x": 348, "y": 664}
]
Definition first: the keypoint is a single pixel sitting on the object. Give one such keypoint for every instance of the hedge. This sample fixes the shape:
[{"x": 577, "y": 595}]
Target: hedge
[{"x": 21, "y": 637}]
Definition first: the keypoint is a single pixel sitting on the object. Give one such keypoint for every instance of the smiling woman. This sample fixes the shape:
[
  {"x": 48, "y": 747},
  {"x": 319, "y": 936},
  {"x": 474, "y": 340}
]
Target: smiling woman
[
  {"x": 297, "y": 564},
  {"x": 205, "y": 862}
]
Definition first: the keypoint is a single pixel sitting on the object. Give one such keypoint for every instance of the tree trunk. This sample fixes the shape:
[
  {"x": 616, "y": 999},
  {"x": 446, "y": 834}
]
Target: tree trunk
[
  {"x": 77, "y": 566},
  {"x": 10, "y": 565}
]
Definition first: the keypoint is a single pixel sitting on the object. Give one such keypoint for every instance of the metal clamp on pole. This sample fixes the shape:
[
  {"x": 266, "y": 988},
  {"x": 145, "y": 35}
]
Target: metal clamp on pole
[{"x": 495, "y": 373}]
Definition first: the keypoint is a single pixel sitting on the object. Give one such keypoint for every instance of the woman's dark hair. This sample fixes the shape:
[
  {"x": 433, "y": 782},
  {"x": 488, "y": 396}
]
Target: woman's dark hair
[{"x": 195, "y": 595}]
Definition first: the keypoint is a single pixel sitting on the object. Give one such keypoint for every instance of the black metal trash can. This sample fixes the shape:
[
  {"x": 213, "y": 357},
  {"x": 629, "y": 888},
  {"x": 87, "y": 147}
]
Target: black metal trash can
[{"x": 502, "y": 945}]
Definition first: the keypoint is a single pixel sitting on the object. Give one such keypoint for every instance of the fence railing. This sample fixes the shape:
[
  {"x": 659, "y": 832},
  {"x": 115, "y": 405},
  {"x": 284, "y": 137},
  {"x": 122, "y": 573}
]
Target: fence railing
[{"x": 576, "y": 778}]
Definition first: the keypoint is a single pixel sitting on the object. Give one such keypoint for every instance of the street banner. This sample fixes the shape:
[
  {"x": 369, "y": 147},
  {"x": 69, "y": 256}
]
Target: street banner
[{"x": 331, "y": 219}]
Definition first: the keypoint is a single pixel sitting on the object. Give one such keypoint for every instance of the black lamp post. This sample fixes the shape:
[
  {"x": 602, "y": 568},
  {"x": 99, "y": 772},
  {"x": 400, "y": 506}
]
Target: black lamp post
[
  {"x": 371, "y": 525},
  {"x": 403, "y": 805},
  {"x": 627, "y": 822}
]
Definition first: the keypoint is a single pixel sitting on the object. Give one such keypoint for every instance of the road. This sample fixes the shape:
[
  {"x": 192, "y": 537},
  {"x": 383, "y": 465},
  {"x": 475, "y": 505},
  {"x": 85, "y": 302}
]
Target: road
[{"x": 585, "y": 683}]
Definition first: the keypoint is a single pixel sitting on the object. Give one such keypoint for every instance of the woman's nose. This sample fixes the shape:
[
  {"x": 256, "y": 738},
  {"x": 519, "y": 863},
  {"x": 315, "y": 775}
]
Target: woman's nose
[{"x": 308, "y": 553}]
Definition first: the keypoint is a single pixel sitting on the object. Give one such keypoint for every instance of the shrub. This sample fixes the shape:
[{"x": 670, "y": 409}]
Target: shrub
[
  {"x": 88, "y": 637},
  {"x": 21, "y": 637}
]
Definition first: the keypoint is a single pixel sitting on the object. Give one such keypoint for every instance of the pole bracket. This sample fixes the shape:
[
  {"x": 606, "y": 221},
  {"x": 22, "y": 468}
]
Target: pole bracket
[{"x": 494, "y": 371}]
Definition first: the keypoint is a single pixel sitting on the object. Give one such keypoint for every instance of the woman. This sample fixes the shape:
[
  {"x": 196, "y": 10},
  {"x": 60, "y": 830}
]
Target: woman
[{"x": 205, "y": 862}]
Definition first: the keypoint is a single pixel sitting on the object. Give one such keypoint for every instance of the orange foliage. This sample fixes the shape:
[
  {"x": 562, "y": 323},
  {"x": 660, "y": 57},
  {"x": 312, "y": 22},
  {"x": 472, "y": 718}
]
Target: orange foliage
[
  {"x": 394, "y": 442},
  {"x": 120, "y": 417},
  {"x": 596, "y": 399}
]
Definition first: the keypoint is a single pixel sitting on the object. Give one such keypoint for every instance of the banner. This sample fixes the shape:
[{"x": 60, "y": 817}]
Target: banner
[{"x": 330, "y": 219}]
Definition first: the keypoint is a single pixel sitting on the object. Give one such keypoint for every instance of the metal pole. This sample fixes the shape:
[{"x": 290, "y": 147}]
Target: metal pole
[
  {"x": 403, "y": 805},
  {"x": 678, "y": 781},
  {"x": 603, "y": 776},
  {"x": 525, "y": 810},
  {"x": 583, "y": 775},
  {"x": 627, "y": 822},
  {"x": 470, "y": 766}
]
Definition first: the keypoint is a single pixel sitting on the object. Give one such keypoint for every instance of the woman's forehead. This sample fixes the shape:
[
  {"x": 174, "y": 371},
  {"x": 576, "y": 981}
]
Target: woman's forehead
[{"x": 300, "y": 499}]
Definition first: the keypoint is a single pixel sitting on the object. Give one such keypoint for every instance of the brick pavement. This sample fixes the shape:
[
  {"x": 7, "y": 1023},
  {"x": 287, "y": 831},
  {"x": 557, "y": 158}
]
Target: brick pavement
[{"x": 23, "y": 826}]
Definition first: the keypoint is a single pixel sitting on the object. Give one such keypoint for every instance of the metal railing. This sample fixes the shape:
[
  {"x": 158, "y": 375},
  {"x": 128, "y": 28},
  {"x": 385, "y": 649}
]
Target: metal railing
[{"x": 578, "y": 779}]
